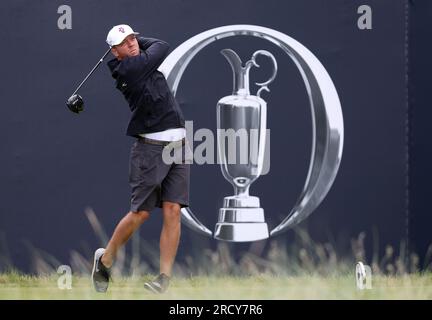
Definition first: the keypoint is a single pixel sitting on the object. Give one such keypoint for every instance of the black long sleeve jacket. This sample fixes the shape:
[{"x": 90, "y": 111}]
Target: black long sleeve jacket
[{"x": 146, "y": 90}]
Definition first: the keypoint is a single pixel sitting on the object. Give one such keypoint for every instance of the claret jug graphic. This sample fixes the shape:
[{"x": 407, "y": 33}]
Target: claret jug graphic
[
  {"x": 243, "y": 116},
  {"x": 241, "y": 139}
]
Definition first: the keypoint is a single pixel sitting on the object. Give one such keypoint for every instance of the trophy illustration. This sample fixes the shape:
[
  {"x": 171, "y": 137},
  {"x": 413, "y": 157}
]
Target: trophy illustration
[
  {"x": 241, "y": 217},
  {"x": 242, "y": 115}
]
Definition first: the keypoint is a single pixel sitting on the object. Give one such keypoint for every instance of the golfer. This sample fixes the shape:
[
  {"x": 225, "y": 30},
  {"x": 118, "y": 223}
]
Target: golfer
[{"x": 157, "y": 123}]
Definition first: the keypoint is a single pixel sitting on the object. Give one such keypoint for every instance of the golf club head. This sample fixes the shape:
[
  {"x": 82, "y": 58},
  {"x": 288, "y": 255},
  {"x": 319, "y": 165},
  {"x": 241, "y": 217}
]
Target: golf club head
[{"x": 75, "y": 103}]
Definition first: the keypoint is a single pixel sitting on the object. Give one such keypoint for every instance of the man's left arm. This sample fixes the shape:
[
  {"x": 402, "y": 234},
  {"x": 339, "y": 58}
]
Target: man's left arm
[
  {"x": 153, "y": 52},
  {"x": 145, "y": 43}
]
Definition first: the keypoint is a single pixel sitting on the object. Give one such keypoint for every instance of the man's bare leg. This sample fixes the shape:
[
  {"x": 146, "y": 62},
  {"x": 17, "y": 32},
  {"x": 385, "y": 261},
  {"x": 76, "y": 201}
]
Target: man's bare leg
[
  {"x": 170, "y": 236},
  {"x": 122, "y": 233}
]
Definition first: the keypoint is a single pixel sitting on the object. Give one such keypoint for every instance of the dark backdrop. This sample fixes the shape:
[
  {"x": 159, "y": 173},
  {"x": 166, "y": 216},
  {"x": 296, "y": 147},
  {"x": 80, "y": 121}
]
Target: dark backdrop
[
  {"x": 420, "y": 119},
  {"x": 55, "y": 164}
]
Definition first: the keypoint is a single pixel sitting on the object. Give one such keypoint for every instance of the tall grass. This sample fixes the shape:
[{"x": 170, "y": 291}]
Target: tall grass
[{"x": 303, "y": 257}]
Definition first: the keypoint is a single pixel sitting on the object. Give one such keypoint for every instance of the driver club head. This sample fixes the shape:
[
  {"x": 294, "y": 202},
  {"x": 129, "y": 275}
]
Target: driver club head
[{"x": 75, "y": 103}]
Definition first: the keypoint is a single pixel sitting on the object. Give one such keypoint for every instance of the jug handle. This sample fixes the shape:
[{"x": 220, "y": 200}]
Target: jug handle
[{"x": 264, "y": 85}]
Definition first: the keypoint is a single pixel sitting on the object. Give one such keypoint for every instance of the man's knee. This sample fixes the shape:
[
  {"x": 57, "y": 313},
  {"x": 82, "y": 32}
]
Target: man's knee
[
  {"x": 141, "y": 216},
  {"x": 171, "y": 211}
]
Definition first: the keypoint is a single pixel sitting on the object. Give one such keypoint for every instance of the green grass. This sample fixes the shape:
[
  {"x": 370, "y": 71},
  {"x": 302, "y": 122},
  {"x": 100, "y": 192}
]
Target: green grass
[
  {"x": 414, "y": 286},
  {"x": 298, "y": 269}
]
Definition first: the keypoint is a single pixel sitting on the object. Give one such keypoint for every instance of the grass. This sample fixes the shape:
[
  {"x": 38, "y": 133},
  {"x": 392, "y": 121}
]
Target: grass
[
  {"x": 270, "y": 269},
  {"x": 264, "y": 287}
]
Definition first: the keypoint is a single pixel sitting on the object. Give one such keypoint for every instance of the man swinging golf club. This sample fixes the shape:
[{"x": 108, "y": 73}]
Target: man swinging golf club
[{"x": 157, "y": 122}]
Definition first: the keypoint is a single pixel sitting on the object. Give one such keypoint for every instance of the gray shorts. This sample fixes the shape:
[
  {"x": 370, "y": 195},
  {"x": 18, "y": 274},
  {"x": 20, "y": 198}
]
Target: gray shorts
[{"x": 154, "y": 181}]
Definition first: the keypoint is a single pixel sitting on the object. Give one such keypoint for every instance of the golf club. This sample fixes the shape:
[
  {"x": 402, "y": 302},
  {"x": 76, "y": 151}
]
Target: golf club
[{"x": 75, "y": 102}]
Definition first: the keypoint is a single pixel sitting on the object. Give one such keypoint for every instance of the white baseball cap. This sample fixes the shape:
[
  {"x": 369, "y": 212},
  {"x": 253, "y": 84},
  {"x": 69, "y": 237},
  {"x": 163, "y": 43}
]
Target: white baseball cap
[{"x": 118, "y": 33}]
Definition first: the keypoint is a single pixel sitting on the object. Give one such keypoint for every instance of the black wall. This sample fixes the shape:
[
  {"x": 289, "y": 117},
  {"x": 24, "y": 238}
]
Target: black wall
[
  {"x": 55, "y": 164},
  {"x": 420, "y": 119}
]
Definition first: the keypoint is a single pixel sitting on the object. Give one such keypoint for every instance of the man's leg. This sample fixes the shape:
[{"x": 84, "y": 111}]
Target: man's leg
[
  {"x": 169, "y": 240},
  {"x": 122, "y": 233},
  {"x": 175, "y": 191},
  {"x": 170, "y": 236},
  {"x": 103, "y": 258}
]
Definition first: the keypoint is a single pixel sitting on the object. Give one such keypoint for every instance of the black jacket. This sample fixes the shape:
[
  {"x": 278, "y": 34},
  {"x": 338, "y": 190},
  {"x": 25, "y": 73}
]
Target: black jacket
[{"x": 153, "y": 105}]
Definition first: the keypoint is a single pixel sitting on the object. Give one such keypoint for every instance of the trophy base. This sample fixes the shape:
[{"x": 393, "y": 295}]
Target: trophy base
[{"x": 241, "y": 225}]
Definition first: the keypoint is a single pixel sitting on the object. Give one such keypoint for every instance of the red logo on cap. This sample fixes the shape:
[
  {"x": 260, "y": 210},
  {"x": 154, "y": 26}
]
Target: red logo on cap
[{"x": 121, "y": 29}]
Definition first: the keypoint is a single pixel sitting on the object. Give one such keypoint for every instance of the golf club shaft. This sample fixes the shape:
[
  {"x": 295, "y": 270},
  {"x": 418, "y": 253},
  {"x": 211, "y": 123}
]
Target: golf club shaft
[{"x": 94, "y": 68}]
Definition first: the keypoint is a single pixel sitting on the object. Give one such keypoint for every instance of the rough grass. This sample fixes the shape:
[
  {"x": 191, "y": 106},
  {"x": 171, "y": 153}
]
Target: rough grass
[
  {"x": 270, "y": 269},
  {"x": 415, "y": 286}
]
